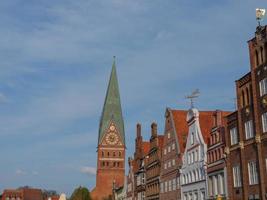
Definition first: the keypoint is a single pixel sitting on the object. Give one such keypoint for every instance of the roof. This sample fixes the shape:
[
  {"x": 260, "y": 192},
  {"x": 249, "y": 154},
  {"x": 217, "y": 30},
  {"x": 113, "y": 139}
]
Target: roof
[
  {"x": 181, "y": 127},
  {"x": 206, "y": 123},
  {"x": 112, "y": 111}
]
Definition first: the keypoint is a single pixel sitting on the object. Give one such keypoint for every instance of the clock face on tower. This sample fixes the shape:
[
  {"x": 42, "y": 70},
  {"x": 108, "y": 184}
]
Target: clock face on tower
[{"x": 112, "y": 138}]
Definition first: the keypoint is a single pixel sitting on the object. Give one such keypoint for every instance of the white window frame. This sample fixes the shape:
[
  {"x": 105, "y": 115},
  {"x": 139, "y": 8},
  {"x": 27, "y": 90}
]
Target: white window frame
[
  {"x": 173, "y": 146},
  {"x": 264, "y": 122},
  {"x": 253, "y": 173},
  {"x": 170, "y": 185},
  {"x": 263, "y": 86},
  {"x": 237, "y": 176},
  {"x": 249, "y": 129},
  {"x": 233, "y": 136}
]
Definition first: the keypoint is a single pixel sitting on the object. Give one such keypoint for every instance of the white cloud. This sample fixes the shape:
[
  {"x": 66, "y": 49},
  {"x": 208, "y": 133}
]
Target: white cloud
[
  {"x": 88, "y": 170},
  {"x": 20, "y": 172}
]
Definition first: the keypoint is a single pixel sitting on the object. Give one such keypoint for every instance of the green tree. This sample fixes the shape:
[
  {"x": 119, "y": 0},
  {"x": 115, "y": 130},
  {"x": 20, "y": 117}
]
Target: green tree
[{"x": 81, "y": 193}]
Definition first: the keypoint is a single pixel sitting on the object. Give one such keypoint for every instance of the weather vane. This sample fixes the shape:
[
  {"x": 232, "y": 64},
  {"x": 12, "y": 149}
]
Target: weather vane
[
  {"x": 260, "y": 15},
  {"x": 195, "y": 94}
]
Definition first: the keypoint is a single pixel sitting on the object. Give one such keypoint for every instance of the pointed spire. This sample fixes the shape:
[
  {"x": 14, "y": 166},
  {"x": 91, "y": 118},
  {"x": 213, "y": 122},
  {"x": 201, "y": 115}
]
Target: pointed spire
[{"x": 112, "y": 111}]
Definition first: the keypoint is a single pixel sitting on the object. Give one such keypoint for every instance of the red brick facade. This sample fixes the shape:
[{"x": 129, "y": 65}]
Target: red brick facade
[
  {"x": 153, "y": 164},
  {"x": 175, "y": 135},
  {"x": 216, "y": 168},
  {"x": 249, "y": 153},
  {"x": 110, "y": 166}
]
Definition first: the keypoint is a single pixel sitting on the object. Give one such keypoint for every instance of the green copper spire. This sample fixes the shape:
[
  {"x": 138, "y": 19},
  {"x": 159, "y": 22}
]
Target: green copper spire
[{"x": 112, "y": 111}]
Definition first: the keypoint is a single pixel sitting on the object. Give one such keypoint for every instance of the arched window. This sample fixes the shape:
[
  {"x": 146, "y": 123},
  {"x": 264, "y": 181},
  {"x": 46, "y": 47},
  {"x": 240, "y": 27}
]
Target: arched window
[
  {"x": 108, "y": 153},
  {"x": 247, "y": 94},
  {"x": 120, "y": 154},
  {"x": 257, "y": 58},
  {"x": 103, "y": 154},
  {"x": 114, "y": 154},
  {"x": 262, "y": 56},
  {"x": 196, "y": 175},
  {"x": 243, "y": 99}
]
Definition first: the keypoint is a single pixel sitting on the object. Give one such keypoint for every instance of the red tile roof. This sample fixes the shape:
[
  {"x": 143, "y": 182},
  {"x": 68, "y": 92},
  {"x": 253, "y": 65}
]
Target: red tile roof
[
  {"x": 206, "y": 123},
  {"x": 181, "y": 127}
]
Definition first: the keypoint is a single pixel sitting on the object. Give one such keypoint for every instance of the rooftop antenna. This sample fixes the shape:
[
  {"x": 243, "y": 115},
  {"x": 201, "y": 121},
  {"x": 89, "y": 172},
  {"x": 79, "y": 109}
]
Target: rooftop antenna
[
  {"x": 195, "y": 94},
  {"x": 260, "y": 15}
]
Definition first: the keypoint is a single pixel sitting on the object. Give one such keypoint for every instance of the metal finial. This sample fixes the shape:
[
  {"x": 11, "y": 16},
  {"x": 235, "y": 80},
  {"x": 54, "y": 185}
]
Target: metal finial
[{"x": 195, "y": 94}]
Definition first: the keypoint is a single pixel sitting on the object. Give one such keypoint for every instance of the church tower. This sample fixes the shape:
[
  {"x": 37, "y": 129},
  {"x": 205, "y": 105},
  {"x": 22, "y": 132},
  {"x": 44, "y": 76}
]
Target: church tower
[{"x": 111, "y": 142}]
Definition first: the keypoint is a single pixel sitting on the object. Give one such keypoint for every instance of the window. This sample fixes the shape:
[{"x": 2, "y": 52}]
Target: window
[
  {"x": 173, "y": 146},
  {"x": 161, "y": 187},
  {"x": 165, "y": 165},
  {"x": 178, "y": 182},
  {"x": 264, "y": 122},
  {"x": 236, "y": 176},
  {"x": 173, "y": 184},
  {"x": 165, "y": 151},
  {"x": 233, "y": 135},
  {"x": 169, "y": 164},
  {"x": 169, "y": 149},
  {"x": 170, "y": 185},
  {"x": 252, "y": 173},
  {"x": 196, "y": 157},
  {"x": 263, "y": 86},
  {"x": 166, "y": 186},
  {"x": 192, "y": 138},
  {"x": 169, "y": 135},
  {"x": 249, "y": 129},
  {"x": 173, "y": 162}
]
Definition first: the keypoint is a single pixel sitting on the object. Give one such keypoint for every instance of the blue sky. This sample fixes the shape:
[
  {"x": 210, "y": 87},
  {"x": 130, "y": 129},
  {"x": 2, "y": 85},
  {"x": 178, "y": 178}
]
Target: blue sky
[{"x": 55, "y": 62}]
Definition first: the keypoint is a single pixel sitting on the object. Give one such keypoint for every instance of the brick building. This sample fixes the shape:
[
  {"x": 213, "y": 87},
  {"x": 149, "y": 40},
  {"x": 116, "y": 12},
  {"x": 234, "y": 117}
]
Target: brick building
[
  {"x": 153, "y": 164},
  {"x": 111, "y": 143},
  {"x": 175, "y": 135},
  {"x": 141, "y": 150},
  {"x": 216, "y": 163},
  {"x": 22, "y": 194},
  {"x": 246, "y": 128}
]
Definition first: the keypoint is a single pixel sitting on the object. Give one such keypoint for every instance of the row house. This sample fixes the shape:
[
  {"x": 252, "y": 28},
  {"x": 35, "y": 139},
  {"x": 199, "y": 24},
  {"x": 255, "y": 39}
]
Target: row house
[
  {"x": 23, "y": 194},
  {"x": 153, "y": 164},
  {"x": 246, "y": 139},
  {"x": 216, "y": 162},
  {"x": 141, "y": 150},
  {"x": 194, "y": 168},
  {"x": 175, "y": 135},
  {"x": 130, "y": 180}
]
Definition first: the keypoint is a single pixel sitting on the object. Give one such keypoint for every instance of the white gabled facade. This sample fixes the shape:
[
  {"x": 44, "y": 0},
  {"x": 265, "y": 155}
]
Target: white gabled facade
[{"x": 193, "y": 171}]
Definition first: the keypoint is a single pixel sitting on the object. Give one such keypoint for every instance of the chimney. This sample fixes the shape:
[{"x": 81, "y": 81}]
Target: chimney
[
  {"x": 138, "y": 130},
  {"x": 154, "y": 129}
]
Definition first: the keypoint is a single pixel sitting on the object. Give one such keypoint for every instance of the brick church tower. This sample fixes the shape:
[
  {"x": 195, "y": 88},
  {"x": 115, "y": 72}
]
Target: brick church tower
[{"x": 111, "y": 142}]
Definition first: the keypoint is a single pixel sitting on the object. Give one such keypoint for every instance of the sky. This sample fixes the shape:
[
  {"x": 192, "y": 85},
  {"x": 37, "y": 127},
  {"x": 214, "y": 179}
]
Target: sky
[{"x": 55, "y": 62}]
